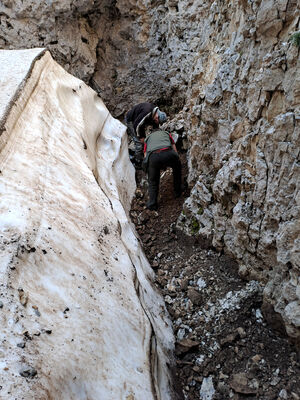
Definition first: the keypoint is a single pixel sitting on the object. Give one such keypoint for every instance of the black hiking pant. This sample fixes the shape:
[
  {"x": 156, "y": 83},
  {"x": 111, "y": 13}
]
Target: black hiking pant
[
  {"x": 157, "y": 162},
  {"x": 138, "y": 145}
]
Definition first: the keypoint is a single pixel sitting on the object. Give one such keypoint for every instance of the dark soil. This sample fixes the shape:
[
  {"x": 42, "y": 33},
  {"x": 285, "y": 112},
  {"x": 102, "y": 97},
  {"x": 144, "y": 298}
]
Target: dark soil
[{"x": 224, "y": 347}]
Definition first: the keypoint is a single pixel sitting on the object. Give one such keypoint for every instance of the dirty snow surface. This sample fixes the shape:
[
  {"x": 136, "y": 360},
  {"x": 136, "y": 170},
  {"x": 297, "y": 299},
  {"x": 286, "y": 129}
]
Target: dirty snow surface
[
  {"x": 224, "y": 347},
  {"x": 80, "y": 317}
]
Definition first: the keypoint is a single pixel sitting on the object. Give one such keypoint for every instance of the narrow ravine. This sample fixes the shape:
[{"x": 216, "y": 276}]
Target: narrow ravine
[{"x": 224, "y": 347}]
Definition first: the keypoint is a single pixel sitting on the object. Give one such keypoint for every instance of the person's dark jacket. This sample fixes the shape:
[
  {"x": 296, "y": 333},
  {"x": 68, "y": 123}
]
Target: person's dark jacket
[{"x": 141, "y": 116}]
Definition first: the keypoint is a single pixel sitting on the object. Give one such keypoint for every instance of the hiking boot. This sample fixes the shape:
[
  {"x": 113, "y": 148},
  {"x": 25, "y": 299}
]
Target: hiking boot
[
  {"x": 179, "y": 193},
  {"x": 152, "y": 207}
]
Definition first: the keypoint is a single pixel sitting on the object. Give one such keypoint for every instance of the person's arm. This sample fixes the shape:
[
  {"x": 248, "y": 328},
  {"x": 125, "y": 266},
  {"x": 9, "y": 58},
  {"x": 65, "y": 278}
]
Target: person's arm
[
  {"x": 172, "y": 143},
  {"x": 141, "y": 131},
  {"x": 145, "y": 148},
  {"x": 129, "y": 115}
]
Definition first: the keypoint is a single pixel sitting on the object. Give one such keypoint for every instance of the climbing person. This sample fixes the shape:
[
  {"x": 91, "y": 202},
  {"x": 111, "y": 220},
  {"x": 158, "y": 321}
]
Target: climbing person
[
  {"x": 136, "y": 120},
  {"x": 160, "y": 152}
]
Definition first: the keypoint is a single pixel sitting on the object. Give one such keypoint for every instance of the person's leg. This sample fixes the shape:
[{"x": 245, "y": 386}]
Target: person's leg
[
  {"x": 138, "y": 150},
  {"x": 174, "y": 162},
  {"x": 153, "y": 181},
  {"x": 138, "y": 145}
]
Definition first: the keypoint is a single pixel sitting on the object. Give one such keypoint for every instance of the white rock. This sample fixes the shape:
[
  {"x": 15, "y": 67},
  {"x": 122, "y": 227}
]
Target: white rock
[
  {"x": 201, "y": 283},
  {"x": 207, "y": 390},
  {"x": 292, "y": 312},
  {"x": 258, "y": 315},
  {"x": 283, "y": 394}
]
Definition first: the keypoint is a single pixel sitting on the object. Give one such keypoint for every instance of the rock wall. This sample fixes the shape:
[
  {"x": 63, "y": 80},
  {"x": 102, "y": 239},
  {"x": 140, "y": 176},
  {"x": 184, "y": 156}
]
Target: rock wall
[
  {"x": 228, "y": 76},
  {"x": 244, "y": 136},
  {"x": 233, "y": 72},
  {"x": 79, "y": 316}
]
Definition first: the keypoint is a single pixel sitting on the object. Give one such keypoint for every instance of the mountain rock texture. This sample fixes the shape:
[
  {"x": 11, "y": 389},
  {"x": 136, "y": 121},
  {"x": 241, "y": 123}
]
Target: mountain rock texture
[
  {"x": 79, "y": 315},
  {"x": 228, "y": 76}
]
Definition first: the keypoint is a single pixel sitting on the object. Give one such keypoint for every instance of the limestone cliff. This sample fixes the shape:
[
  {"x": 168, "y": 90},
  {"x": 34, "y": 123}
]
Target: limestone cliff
[
  {"x": 228, "y": 75},
  {"x": 79, "y": 316}
]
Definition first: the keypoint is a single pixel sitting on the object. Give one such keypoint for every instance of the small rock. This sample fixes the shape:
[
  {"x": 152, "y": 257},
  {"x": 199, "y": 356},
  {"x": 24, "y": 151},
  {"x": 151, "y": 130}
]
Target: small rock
[
  {"x": 229, "y": 339},
  {"x": 169, "y": 300},
  {"x": 207, "y": 390},
  {"x": 139, "y": 194},
  {"x": 27, "y": 335},
  {"x": 275, "y": 380},
  {"x": 171, "y": 288},
  {"x": 240, "y": 384},
  {"x": 36, "y": 311},
  {"x": 223, "y": 376},
  {"x": 21, "y": 345},
  {"x": 1, "y": 304},
  {"x": 194, "y": 296},
  {"x": 201, "y": 283},
  {"x": 295, "y": 396},
  {"x": 283, "y": 394},
  {"x": 256, "y": 358},
  {"x": 23, "y": 297},
  {"x": 48, "y": 331},
  {"x": 185, "y": 345},
  {"x": 223, "y": 388},
  {"x": 198, "y": 379},
  {"x": 184, "y": 283},
  {"x": 276, "y": 372},
  {"x": 28, "y": 372},
  {"x": 180, "y": 333},
  {"x": 258, "y": 315},
  {"x": 241, "y": 332},
  {"x": 147, "y": 238}
]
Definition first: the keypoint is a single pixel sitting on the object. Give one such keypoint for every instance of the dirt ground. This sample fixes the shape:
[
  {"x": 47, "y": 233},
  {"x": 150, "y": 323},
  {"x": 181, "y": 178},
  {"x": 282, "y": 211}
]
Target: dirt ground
[{"x": 224, "y": 347}]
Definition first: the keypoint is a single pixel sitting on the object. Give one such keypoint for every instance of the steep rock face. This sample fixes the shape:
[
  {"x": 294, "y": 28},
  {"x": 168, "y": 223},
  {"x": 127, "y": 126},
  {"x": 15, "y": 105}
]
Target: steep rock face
[
  {"x": 115, "y": 46},
  {"x": 244, "y": 135},
  {"x": 79, "y": 316},
  {"x": 231, "y": 76},
  {"x": 63, "y": 26}
]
